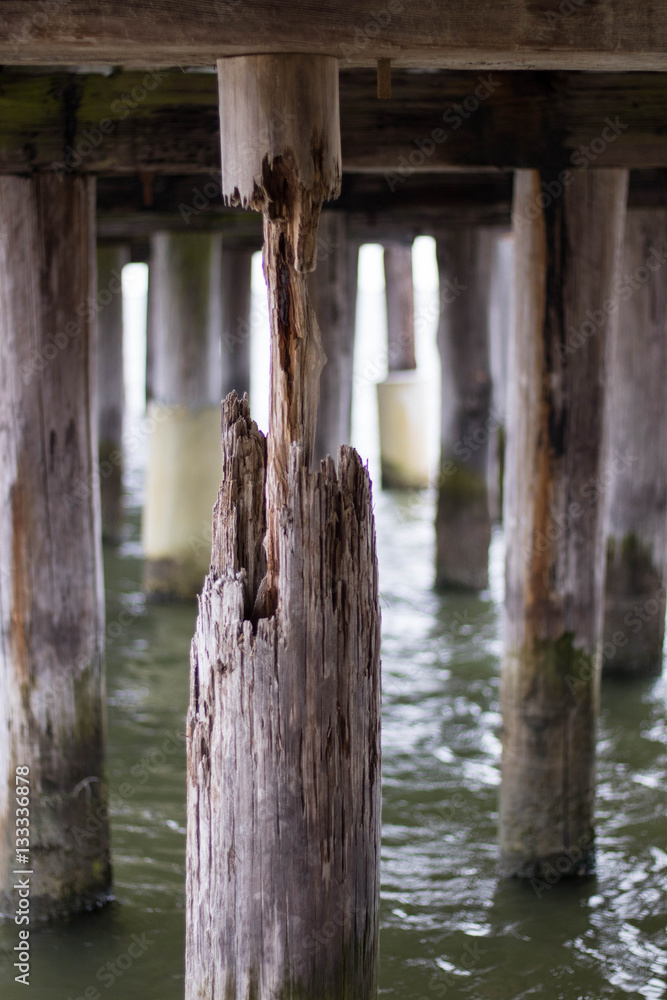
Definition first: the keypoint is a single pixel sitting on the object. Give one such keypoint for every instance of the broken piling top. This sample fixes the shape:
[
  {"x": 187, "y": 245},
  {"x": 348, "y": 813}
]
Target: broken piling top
[{"x": 280, "y": 139}]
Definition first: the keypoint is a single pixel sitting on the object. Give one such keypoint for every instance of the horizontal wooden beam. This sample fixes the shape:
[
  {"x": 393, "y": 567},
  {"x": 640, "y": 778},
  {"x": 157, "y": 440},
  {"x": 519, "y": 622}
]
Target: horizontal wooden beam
[
  {"x": 427, "y": 206},
  {"x": 544, "y": 34},
  {"x": 167, "y": 122}
]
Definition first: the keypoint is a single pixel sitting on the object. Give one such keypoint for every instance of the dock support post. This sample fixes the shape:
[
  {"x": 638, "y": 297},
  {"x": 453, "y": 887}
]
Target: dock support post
[
  {"x": 111, "y": 259},
  {"x": 236, "y": 308},
  {"x": 501, "y": 321},
  {"x": 636, "y": 462},
  {"x": 568, "y": 257},
  {"x": 283, "y": 726},
  {"x": 184, "y": 465},
  {"x": 403, "y": 444},
  {"x": 51, "y": 592},
  {"x": 332, "y": 287},
  {"x": 463, "y": 519}
]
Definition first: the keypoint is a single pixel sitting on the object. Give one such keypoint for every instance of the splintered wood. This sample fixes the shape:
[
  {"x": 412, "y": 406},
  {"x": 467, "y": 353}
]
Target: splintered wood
[{"x": 284, "y": 724}]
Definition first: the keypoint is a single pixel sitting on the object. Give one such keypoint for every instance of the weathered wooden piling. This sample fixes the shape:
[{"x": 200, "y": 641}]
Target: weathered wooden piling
[
  {"x": 400, "y": 296},
  {"x": 51, "y": 596},
  {"x": 183, "y": 467},
  {"x": 111, "y": 259},
  {"x": 463, "y": 519},
  {"x": 332, "y": 288},
  {"x": 283, "y": 749},
  {"x": 568, "y": 245},
  {"x": 501, "y": 320},
  {"x": 403, "y": 445},
  {"x": 635, "y": 483},
  {"x": 236, "y": 309}
]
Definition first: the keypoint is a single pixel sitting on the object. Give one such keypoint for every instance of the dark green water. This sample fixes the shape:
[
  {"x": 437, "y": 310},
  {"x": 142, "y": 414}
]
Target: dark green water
[{"x": 450, "y": 928}]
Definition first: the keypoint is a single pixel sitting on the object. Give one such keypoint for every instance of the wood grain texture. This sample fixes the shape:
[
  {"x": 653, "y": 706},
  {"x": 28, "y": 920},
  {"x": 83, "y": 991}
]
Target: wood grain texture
[
  {"x": 280, "y": 140},
  {"x": 609, "y": 35},
  {"x": 284, "y": 741},
  {"x": 51, "y": 590},
  {"x": 567, "y": 267},
  {"x": 283, "y": 753},
  {"x": 463, "y": 519},
  {"x": 636, "y": 459},
  {"x": 434, "y": 121}
]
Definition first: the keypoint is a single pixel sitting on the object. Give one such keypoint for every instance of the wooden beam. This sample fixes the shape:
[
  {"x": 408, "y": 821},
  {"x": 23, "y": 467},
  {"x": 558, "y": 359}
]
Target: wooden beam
[
  {"x": 167, "y": 122},
  {"x": 374, "y": 214},
  {"x": 545, "y": 35}
]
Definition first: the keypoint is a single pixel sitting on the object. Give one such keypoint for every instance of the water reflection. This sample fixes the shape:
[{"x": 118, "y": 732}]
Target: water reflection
[{"x": 450, "y": 928}]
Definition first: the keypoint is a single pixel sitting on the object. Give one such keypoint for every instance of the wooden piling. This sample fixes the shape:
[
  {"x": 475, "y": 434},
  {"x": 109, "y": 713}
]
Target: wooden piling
[
  {"x": 183, "y": 468},
  {"x": 51, "y": 591},
  {"x": 403, "y": 445},
  {"x": 568, "y": 245},
  {"x": 283, "y": 748},
  {"x": 111, "y": 258},
  {"x": 635, "y": 484},
  {"x": 400, "y": 296},
  {"x": 332, "y": 287},
  {"x": 463, "y": 520},
  {"x": 501, "y": 320},
  {"x": 236, "y": 307}
]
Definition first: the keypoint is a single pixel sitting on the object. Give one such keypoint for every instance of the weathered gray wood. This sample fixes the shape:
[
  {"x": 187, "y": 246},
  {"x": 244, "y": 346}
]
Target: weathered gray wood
[
  {"x": 283, "y": 748},
  {"x": 283, "y": 757},
  {"x": 236, "y": 278},
  {"x": 567, "y": 267},
  {"x": 333, "y": 293},
  {"x": 635, "y": 485},
  {"x": 501, "y": 321},
  {"x": 51, "y": 595},
  {"x": 186, "y": 272},
  {"x": 434, "y": 121},
  {"x": 463, "y": 519},
  {"x": 111, "y": 388},
  {"x": 400, "y": 298},
  {"x": 183, "y": 467},
  {"x": 590, "y": 37}
]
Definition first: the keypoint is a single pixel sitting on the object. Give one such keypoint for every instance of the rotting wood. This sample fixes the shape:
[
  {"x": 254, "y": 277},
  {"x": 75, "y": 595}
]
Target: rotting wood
[
  {"x": 284, "y": 742},
  {"x": 51, "y": 590},
  {"x": 567, "y": 266}
]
